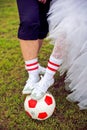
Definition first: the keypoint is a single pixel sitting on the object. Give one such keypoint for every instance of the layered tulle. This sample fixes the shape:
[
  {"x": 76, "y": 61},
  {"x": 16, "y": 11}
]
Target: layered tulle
[{"x": 68, "y": 21}]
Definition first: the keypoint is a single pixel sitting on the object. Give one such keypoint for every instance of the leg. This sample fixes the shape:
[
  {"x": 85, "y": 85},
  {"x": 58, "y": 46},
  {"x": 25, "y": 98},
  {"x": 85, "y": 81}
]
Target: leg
[
  {"x": 54, "y": 63},
  {"x": 29, "y": 49},
  {"x": 30, "y": 52},
  {"x": 29, "y": 34}
]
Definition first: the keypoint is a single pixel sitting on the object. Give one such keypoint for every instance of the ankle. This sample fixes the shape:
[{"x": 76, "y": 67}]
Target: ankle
[
  {"x": 48, "y": 76},
  {"x": 34, "y": 78}
]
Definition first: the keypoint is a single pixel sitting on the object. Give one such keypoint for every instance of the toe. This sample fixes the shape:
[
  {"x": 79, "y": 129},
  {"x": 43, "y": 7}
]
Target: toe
[{"x": 37, "y": 95}]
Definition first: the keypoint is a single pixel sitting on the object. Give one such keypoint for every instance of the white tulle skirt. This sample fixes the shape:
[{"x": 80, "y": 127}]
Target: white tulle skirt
[{"x": 68, "y": 21}]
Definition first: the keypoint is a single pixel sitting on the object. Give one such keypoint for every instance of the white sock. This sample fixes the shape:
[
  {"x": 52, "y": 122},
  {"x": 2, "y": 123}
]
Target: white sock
[
  {"x": 53, "y": 65},
  {"x": 32, "y": 68}
]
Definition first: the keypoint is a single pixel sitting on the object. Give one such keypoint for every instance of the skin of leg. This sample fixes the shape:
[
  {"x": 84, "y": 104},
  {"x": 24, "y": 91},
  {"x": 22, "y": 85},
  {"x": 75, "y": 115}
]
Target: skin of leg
[
  {"x": 40, "y": 44},
  {"x": 30, "y": 48},
  {"x": 60, "y": 48}
]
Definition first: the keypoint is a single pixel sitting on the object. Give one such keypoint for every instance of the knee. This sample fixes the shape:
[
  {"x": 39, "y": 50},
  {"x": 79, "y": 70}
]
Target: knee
[
  {"x": 30, "y": 23},
  {"x": 29, "y": 30}
]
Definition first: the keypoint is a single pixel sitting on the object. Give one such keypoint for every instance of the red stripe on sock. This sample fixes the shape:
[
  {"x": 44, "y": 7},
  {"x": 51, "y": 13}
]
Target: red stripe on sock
[
  {"x": 51, "y": 69},
  {"x": 54, "y": 64},
  {"x": 33, "y": 69},
  {"x": 32, "y": 64}
]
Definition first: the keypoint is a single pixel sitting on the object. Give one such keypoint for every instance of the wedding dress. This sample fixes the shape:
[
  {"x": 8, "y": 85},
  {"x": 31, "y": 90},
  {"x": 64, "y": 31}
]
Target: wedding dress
[{"x": 68, "y": 28}]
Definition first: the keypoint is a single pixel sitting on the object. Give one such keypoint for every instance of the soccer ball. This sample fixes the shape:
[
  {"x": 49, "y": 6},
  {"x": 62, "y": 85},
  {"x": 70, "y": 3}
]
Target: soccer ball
[{"x": 41, "y": 109}]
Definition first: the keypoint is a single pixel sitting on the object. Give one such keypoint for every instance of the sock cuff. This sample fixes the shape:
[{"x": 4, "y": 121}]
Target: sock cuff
[
  {"x": 35, "y": 60},
  {"x": 50, "y": 71},
  {"x": 31, "y": 65},
  {"x": 53, "y": 65},
  {"x": 56, "y": 61}
]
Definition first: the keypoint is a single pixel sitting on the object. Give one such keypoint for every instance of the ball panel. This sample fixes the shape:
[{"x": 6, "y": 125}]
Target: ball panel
[
  {"x": 48, "y": 100},
  {"x": 32, "y": 103},
  {"x": 42, "y": 115},
  {"x": 28, "y": 114}
]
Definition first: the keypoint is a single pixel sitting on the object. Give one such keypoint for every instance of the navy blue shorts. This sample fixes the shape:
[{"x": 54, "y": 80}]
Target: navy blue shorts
[{"x": 33, "y": 19}]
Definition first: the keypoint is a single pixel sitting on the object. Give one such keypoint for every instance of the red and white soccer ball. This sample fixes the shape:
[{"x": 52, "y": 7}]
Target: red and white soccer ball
[{"x": 41, "y": 109}]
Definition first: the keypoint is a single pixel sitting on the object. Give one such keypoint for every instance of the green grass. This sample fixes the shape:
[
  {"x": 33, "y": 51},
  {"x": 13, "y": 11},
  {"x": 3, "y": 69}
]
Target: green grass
[{"x": 67, "y": 116}]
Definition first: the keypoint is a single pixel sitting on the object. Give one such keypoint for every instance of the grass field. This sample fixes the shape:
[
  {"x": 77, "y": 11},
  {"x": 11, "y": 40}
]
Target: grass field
[{"x": 67, "y": 116}]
